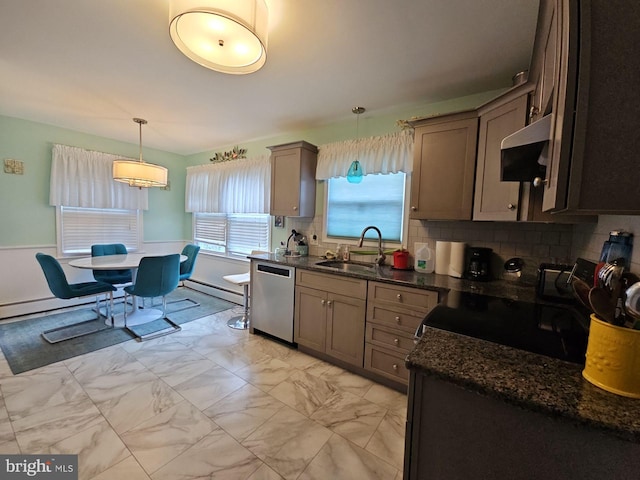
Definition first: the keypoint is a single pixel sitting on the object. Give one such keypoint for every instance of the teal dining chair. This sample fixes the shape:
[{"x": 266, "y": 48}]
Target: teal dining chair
[
  {"x": 156, "y": 277},
  {"x": 186, "y": 269},
  {"x": 114, "y": 277},
  {"x": 62, "y": 289}
]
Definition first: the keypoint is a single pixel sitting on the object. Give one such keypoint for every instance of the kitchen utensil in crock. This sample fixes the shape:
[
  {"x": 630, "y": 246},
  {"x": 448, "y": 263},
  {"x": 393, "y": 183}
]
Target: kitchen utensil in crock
[
  {"x": 601, "y": 304},
  {"x": 581, "y": 291},
  {"x": 632, "y": 303},
  {"x": 609, "y": 275}
]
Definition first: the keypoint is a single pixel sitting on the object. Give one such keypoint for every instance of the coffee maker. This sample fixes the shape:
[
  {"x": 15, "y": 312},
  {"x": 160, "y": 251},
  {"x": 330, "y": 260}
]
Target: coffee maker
[{"x": 478, "y": 264}]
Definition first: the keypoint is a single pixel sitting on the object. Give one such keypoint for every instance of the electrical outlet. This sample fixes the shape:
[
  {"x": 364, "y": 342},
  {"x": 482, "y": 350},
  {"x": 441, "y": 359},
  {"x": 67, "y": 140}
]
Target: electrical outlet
[{"x": 314, "y": 239}]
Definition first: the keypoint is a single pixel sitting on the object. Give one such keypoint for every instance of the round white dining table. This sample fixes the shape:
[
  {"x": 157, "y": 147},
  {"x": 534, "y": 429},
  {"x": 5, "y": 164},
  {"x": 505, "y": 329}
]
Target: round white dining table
[{"x": 130, "y": 261}]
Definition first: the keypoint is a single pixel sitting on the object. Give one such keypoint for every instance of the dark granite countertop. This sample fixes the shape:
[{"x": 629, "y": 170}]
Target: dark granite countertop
[
  {"x": 524, "y": 379},
  {"x": 410, "y": 278}
]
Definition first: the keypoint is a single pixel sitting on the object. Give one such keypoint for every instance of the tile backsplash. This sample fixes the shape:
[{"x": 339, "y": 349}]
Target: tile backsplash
[
  {"x": 535, "y": 243},
  {"x": 588, "y": 239}
]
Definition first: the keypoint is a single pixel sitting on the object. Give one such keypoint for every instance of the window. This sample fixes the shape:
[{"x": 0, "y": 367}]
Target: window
[
  {"x": 231, "y": 234},
  {"x": 378, "y": 200},
  {"x": 79, "y": 228}
]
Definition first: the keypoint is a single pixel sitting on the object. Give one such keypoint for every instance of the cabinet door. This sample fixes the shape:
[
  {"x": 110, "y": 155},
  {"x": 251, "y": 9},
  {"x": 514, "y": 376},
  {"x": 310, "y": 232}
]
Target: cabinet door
[
  {"x": 309, "y": 321},
  {"x": 345, "y": 328},
  {"x": 285, "y": 182},
  {"x": 544, "y": 61},
  {"x": 496, "y": 200},
  {"x": 444, "y": 167}
]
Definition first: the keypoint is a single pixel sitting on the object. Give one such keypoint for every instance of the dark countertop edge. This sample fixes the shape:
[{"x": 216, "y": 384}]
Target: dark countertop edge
[{"x": 501, "y": 372}]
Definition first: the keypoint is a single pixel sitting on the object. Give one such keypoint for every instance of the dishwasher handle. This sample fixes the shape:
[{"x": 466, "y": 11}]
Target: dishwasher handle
[{"x": 271, "y": 270}]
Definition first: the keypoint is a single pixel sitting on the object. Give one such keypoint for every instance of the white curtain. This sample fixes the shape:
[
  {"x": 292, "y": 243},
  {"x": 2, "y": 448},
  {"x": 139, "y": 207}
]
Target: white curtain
[
  {"x": 84, "y": 178},
  {"x": 236, "y": 186},
  {"x": 388, "y": 154}
]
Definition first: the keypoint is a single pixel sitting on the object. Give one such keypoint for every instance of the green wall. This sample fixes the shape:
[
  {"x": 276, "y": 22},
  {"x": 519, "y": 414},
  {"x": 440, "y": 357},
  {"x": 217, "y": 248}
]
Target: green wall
[
  {"x": 371, "y": 123},
  {"x": 27, "y": 219}
]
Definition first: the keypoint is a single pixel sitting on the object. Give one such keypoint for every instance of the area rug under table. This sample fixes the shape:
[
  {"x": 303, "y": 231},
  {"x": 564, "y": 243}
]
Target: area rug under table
[{"x": 25, "y": 349}]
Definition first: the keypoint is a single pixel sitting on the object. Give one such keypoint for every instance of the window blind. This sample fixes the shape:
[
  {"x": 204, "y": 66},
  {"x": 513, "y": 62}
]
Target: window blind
[
  {"x": 232, "y": 234},
  {"x": 82, "y": 227}
]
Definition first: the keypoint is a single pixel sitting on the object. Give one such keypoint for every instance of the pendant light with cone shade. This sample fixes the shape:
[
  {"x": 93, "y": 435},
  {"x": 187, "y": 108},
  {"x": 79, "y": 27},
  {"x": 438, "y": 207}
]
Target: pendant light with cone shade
[
  {"x": 139, "y": 173},
  {"x": 355, "y": 173}
]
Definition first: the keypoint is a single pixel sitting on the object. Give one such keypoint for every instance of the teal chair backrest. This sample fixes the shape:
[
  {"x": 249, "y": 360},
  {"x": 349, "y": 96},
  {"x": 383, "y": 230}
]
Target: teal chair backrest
[
  {"x": 157, "y": 276},
  {"x": 186, "y": 267},
  {"x": 100, "y": 250},
  {"x": 56, "y": 279},
  {"x": 110, "y": 276}
]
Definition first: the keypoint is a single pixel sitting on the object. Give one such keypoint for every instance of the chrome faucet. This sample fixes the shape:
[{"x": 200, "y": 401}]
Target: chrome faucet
[{"x": 380, "y": 258}]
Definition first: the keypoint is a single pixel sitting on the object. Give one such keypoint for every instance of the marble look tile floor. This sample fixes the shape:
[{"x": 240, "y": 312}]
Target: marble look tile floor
[{"x": 206, "y": 402}]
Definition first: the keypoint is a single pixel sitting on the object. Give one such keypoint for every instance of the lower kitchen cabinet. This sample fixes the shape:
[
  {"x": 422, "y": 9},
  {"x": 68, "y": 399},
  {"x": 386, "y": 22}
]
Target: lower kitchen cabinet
[
  {"x": 455, "y": 433},
  {"x": 393, "y": 314},
  {"x": 386, "y": 362},
  {"x": 330, "y": 315}
]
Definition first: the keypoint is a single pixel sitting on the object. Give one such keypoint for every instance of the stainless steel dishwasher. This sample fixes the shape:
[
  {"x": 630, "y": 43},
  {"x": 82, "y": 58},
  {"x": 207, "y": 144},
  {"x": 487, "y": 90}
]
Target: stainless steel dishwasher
[{"x": 272, "y": 294}]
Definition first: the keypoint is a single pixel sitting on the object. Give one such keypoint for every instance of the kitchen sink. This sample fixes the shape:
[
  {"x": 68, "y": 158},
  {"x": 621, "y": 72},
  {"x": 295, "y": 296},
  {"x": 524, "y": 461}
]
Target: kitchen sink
[{"x": 351, "y": 267}]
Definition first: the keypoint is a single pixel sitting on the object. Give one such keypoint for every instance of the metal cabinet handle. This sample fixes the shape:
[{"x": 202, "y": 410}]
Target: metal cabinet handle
[
  {"x": 295, "y": 209},
  {"x": 533, "y": 111},
  {"x": 328, "y": 303},
  {"x": 398, "y": 320},
  {"x": 413, "y": 209},
  {"x": 395, "y": 366},
  {"x": 322, "y": 301},
  {"x": 511, "y": 206},
  {"x": 399, "y": 296},
  {"x": 396, "y": 341},
  {"x": 538, "y": 182}
]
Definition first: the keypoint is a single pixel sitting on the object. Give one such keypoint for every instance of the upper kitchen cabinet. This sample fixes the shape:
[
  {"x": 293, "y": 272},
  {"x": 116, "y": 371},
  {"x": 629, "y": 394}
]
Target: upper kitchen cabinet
[
  {"x": 494, "y": 199},
  {"x": 592, "y": 86},
  {"x": 543, "y": 64},
  {"x": 444, "y": 167},
  {"x": 293, "y": 182}
]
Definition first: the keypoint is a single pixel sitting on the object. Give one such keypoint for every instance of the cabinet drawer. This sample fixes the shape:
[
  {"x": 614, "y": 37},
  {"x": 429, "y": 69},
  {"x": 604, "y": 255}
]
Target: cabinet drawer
[
  {"x": 396, "y": 340},
  {"x": 386, "y": 362},
  {"x": 422, "y": 300},
  {"x": 405, "y": 320},
  {"x": 351, "y": 287}
]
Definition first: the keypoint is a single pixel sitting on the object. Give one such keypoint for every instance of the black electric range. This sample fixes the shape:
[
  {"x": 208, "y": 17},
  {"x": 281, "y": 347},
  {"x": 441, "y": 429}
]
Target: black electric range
[{"x": 547, "y": 329}]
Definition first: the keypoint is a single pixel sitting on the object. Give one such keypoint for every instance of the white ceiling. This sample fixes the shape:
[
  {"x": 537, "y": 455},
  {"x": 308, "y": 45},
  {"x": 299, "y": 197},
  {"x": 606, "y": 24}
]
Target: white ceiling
[{"x": 93, "y": 65}]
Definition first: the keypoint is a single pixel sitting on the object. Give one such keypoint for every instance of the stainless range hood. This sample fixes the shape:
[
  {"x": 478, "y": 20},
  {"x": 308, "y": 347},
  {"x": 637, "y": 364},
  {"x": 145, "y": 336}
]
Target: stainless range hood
[{"x": 520, "y": 152}]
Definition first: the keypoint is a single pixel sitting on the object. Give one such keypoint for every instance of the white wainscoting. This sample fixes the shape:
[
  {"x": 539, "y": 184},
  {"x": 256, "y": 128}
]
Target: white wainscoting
[{"x": 24, "y": 290}]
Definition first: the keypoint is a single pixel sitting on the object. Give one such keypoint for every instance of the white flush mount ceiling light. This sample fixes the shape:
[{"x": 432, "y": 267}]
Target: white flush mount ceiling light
[
  {"x": 139, "y": 173},
  {"x": 228, "y": 36}
]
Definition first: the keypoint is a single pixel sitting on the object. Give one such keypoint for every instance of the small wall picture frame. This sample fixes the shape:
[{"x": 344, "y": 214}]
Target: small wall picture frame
[{"x": 278, "y": 221}]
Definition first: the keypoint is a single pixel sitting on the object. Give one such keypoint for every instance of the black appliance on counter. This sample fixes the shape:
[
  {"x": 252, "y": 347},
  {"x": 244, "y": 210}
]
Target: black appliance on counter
[
  {"x": 478, "y": 264},
  {"x": 547, "y": 329}
]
